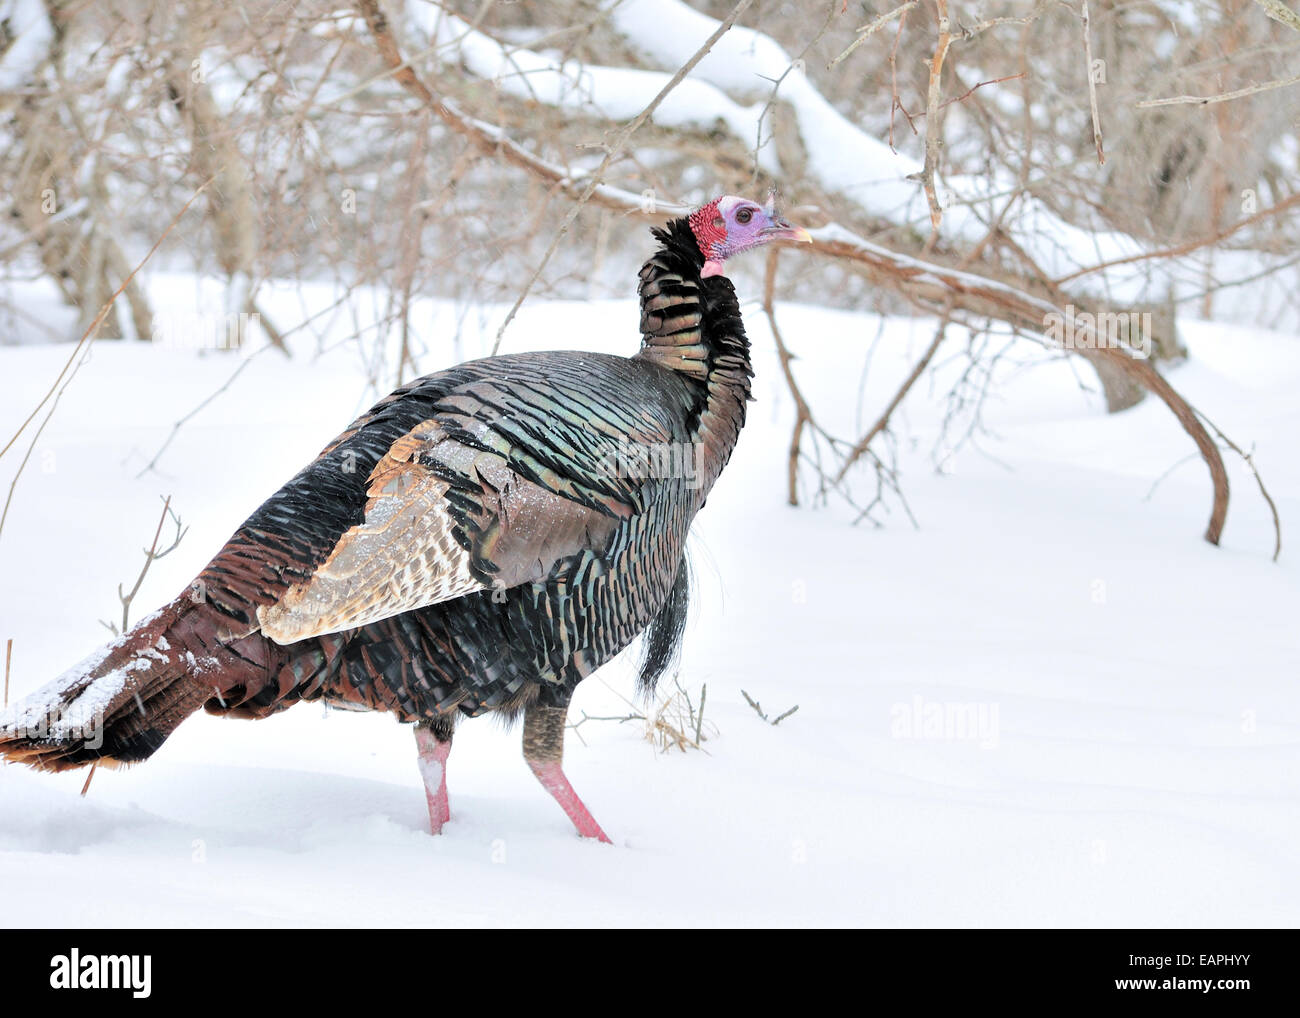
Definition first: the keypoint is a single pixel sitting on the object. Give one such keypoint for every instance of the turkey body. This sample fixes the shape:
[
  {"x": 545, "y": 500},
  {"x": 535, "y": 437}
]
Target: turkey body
[
  {"x": 482, "y": 539},
  {"x": 570, "y": 422}
]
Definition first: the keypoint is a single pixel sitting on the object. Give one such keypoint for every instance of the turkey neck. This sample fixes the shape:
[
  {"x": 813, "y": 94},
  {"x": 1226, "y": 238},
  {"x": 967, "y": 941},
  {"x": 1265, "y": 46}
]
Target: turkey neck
[{"x": 692, "y": 326}]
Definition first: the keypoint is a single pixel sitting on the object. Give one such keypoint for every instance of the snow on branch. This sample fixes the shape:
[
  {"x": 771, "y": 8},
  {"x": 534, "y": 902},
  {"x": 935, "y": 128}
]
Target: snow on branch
[
  {"x": 490, "y": 139},
  {"x": 616, "y": 94},
  {"x": 887, "y": 185}
]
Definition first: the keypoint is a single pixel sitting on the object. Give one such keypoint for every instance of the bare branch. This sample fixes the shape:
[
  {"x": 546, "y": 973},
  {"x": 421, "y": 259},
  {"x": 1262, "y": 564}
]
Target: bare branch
[
  {"x": 975, "y": 88},
  {"x": 895, "y": 103},
  {"x": 882, "y": 421},
  {"x": 983, "y": 26},
  {"x": 803, "y": 415},
  {"x": 1249, "y": 459},
  {"x": 933, "y": 137},
  {"x": 1209, "y": 100},
  {"x": 176, "y": 427},
  {"x": 1281, "y": 13},
  {"x": 932, "y": 284},
  {"x": 1092, "y": 84},
  {"x": 870, "y": 29},
  {"x": 151, "y": 555},
  {"x": 758, "y": 709},
  {"x": 1191, "y": 245},
  {"x": 674, "y": 723},
  {"x": 491, "y": 140}
]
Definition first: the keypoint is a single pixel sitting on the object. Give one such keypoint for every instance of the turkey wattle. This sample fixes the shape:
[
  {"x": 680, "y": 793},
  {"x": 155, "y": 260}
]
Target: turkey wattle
[{"x": 481, "y": 540}]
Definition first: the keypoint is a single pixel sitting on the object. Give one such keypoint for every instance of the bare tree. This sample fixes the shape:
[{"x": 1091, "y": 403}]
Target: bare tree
[{"x": 999, "y": 171}]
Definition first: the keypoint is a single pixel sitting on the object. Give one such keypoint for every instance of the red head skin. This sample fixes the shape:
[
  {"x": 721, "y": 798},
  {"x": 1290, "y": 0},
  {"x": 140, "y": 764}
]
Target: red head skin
[{"x": 728, "y": 225}]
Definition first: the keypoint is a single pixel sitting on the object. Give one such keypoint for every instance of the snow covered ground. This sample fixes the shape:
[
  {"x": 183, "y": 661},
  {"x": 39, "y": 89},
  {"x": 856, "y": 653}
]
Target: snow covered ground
[{"x": 1133, "y": 691}]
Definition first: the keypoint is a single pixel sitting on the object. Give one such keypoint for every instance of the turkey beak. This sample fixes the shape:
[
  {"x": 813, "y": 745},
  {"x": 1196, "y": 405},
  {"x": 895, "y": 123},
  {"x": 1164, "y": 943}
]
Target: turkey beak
[{"x": 781, "y": 230}]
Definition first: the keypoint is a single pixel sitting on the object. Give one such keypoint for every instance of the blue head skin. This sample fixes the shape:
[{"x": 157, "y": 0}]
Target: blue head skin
[{"x": 729, "y": 225}]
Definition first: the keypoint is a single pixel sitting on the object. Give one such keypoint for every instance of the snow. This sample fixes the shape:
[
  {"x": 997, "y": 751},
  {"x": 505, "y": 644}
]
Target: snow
[
  {"x": 849, "y": 160},
  {"x": 1050, "y": 704},
  {"x": 29, "y": 28},
  {"x": 430, "y": 771},
  {"x": 615, "y": 93}
]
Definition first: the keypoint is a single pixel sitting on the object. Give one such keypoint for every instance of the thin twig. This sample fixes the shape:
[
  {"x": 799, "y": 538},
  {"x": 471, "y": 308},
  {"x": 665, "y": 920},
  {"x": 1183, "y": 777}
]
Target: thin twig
[
  {"x": 1169, "y": 472},
  {"x": 1209, "y": 100},
  {"x": 882, "y": 421},
  {"x": 151, "y": 555},
  {"x": 974, "y": 88},
  {"x": 896, "y": 103},
  {"x": 759, "y": 710},
  {"x": 803, "y": 414},
  {"x": 930, "y": 284},
  {"x": 176, "y": 427},
  {"x": 1092, "y": 85},
  {"x": 933, "y": 138},
  {"x": 983, "y": 26},
  {"x": 87, "y": 338},
  {"x": 1249, "y": 458},
  {"x": 1191, "y": 245},
  {"x": 668, "y": 726},
  {"x": 797, "y": 62},
  {"x": 870, "y": 29}
]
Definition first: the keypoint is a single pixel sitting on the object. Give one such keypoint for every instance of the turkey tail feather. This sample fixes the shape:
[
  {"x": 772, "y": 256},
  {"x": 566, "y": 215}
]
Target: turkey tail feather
[
  {"x": 116, "y": 707},
  {"x": 661, "y": 645}
]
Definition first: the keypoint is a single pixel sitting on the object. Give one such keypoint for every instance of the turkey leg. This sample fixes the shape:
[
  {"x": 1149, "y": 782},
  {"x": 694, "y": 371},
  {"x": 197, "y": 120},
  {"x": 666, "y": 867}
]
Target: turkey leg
[
  {"x": 544, "y": 751},
  {"x": 434, "y": 750}
]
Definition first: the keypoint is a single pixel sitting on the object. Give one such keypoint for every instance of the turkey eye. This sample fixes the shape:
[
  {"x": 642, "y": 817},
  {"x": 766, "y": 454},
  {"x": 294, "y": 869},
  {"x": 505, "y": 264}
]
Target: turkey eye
[{"x": 744, "y": 216}]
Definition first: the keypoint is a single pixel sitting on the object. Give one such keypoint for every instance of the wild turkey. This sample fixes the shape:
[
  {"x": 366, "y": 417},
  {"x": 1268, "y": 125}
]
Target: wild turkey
[{"x": 481, "y": 540}]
